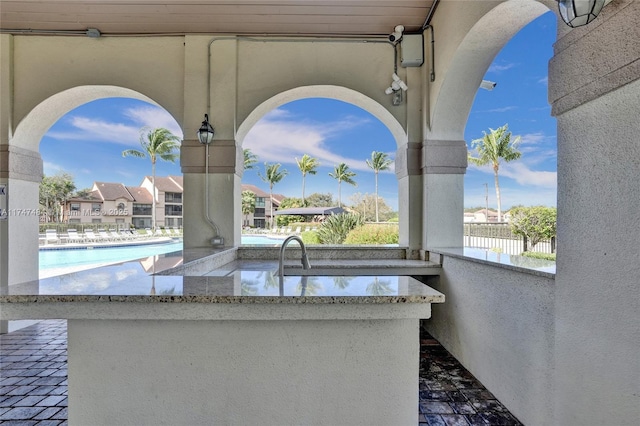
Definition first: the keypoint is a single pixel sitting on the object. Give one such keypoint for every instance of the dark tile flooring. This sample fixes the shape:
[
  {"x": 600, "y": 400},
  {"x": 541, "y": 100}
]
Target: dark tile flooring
[{"x": 33, "y": 382}]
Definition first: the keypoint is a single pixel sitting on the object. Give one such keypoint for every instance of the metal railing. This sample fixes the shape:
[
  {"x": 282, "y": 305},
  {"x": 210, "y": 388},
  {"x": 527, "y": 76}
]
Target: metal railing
[{"x": 499, "y": 236}]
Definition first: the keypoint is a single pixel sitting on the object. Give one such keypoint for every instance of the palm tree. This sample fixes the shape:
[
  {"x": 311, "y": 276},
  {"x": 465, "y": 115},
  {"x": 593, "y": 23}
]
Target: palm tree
[
  {"x": 248, "y": 203},
  {"x": 491, "y": 148},
  {"x": 379, "y": 288},
  {"x": 156, "y": 143},
  {"x": 306, "y": 165},
  {"x": 379, "y": 161},
  {"x": 272, "y": 176},
  {"x": 342, "y": 174},
  {"x": 250, "y": 159}
]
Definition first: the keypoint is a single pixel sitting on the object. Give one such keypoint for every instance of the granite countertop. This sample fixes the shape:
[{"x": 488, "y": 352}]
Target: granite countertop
[{"x": 134, "y": 290}]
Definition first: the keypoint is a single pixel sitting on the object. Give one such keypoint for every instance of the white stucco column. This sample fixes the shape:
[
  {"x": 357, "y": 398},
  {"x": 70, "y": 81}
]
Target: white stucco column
[
  {"x": 20, "y": 177},
  {"x": 409, "y": 195},
  {"x": 594, "y": 89},
  {"x": 219, "y": 187},
  {"x": 444, "y": 163}
]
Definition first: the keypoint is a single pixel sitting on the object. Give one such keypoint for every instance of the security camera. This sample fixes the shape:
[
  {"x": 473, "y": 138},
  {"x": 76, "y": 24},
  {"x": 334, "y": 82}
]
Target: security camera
[
  {"x": 396, "y": 35},
  {"x": 397, "y": 80},
  {"x": 487, "y": 85}
]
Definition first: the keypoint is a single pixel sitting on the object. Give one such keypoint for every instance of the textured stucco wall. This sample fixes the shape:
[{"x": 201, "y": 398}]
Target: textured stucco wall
[
  {"x": 598, "y": 276},
  {"x": 594, "y": 87},
  {"x": 499, "y": 324}
]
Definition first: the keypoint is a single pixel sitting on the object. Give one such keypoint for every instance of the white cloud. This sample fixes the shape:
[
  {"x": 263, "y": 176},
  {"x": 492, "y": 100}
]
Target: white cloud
[
  {"x": 544, "y": 80},
  {"x": 276, "y": 139},
  {"x": 533, "y": 138},
  {"x": 51, "y": 169},
  {"x": 87, "y": 129},
  {"x": 154, "y": 117},
  {"x": 494, "y": 110},
  {"x": 498, "y": 68},
  {"x": 522, "y": 174},
  {"x": 90, "y": 129}
]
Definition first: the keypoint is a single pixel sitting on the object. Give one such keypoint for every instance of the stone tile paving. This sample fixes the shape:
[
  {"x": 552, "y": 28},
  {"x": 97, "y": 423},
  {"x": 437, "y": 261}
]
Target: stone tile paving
[
  {"x": 33, "y": 383},
  {"x": 450, "y": 395},
  {"x": 33, "y": 375}
]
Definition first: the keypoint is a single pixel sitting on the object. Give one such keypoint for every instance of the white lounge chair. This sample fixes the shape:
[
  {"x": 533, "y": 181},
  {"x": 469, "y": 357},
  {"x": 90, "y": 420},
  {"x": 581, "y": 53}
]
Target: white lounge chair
[
  {"x": 89, "y": 235},
  {"x": 73, "y": 236},
  {"x": 51, "y": 236}
]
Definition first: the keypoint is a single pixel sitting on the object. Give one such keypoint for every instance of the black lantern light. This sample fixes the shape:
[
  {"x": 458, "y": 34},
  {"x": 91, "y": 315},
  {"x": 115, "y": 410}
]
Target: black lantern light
[
  {"x": 576, "y": 13},
  {"x": 205, "y": 133}
]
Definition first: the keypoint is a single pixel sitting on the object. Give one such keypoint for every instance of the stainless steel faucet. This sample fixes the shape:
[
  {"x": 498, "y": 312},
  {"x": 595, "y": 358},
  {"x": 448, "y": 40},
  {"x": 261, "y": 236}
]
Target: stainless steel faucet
[{"x": 304, "y": 259}]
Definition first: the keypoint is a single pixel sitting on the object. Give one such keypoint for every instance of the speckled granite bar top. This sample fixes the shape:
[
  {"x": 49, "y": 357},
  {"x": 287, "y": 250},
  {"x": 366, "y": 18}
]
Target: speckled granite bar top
[{"x": 244, "y": 287}]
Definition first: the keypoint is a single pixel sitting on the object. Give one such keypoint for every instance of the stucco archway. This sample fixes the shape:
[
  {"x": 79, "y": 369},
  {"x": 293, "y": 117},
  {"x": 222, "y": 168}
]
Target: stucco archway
[
  {"x": 32, "y": 128},
  {"x": 324, "y": 91},
  {"x": 19, "y": 259},
  {"x": 346, "y": 95},
  {"x": 470, "y": 62}
]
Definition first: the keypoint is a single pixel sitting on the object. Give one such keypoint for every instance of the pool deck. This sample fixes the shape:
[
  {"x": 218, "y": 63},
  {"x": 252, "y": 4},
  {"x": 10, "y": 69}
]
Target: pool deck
[{"x": 33, "y": 382}]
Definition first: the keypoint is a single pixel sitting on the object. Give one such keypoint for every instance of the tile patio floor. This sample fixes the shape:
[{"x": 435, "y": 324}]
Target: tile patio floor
[{"x": 33, "y": 382}]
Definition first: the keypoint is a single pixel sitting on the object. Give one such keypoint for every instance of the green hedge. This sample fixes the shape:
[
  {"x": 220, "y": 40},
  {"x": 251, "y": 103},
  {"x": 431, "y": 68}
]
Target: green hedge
[
  {"x": 373, "y": 234},
  {"x": 537, "y": 255}
]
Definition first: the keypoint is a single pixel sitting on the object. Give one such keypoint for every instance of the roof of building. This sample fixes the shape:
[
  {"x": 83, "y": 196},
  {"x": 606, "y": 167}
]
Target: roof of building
[
  {"x": 91, "y": 196},
  {"x": 140, "y": 194},
  {"x": 311, "y": 211},
  {"x": 108, "y": 191},
  {"x": 259, "y": 192},
  {"x": 277, "y": 198},
  {"x": 168, "y": 183}
]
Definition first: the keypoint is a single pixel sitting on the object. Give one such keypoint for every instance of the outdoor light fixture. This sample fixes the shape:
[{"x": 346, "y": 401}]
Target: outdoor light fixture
[
  {"x": 205, "y": 133},
  {"x": 396, "y": 35},
  {"x": 576, "y": 13},
  {"x": 205, "y": 136},
  {"x": 397, "y": 87},
  {"x": 488, "y": 85}
]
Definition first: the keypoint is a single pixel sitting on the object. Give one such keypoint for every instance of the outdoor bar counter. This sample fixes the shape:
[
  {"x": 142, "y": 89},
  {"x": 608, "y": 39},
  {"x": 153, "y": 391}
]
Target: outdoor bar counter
[{"x": 243, "y": 348}]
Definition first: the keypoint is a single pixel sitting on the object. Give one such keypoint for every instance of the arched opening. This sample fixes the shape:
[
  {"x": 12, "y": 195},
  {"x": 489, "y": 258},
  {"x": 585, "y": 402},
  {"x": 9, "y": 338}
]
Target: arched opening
[
  {"x": 83, "y": 131},
  {"x": 333, "y": 126},
  {"x": 515, "y": 183},
  {"x": 519, "y": 100}
]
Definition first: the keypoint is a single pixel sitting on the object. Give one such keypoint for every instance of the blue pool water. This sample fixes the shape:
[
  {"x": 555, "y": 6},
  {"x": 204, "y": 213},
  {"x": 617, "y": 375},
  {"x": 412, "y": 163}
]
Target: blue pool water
[
  {"x": 67, "y": 258},
  {"x": 80, "y": 257},
  {"x": 261, "y": 240}
]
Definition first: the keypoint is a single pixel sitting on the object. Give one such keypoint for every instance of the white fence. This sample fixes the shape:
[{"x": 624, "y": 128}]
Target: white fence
[{"x": 499, "y": 236}]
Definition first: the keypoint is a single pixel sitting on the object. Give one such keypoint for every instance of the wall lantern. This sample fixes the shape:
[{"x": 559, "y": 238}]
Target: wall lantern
[
  {"x": 205, "y": 133},
  {"x": 576, "y": 13}
]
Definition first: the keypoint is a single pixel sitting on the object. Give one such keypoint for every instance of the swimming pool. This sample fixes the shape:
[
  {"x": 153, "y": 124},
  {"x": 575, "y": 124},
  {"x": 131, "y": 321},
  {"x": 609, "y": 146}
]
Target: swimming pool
[
  {"x": 56, "y": 259},
  {"x": 78, "y": 257}
]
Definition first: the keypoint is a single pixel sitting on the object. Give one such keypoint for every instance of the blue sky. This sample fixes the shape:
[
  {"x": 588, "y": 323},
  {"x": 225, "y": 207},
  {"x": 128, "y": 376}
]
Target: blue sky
[{"x": 88, "y": 141}]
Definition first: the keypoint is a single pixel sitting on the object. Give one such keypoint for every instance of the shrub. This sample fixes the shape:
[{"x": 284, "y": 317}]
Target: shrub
[
  {"x": 310, "y": 237},
  {"x": 335, "y": 228},
  {"x": 536, "y": 223},
  {"x": 537, "y": 255},
  {"x": 373, "y": 234}
]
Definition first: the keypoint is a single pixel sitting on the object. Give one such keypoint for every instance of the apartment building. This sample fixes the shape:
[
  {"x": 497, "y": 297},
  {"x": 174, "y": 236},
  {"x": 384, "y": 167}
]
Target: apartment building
[
  {"x": 261, "y": 216},
  {"x": 124, "y": 206}
]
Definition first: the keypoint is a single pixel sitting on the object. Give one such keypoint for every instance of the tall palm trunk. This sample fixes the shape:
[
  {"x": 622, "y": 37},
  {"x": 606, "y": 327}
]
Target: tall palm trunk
[
  {"x": 153, "y": 194},
  {"x": 376, "y": 174},
  {"x": 495, "y": 174},
  {"x": 303, "y": 176},
  {"x": 339, "y": 193},
  {"x": 271, "y": 204}
]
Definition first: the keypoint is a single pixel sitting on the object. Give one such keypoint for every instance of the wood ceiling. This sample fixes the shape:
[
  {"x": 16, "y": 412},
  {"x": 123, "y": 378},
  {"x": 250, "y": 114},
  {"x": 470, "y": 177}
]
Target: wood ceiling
[{"x": 269, "y": 17}]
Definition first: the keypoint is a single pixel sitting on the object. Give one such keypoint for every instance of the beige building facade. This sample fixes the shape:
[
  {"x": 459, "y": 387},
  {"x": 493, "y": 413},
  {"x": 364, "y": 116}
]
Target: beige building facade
[{"x": 559, "y": 351}]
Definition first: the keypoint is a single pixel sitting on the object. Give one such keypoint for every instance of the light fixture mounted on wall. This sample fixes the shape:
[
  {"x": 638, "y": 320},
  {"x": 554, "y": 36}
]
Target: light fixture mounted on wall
[
  {"x": 576, "y": 13},
  {"x": 205, "y": 136},
  {"x": 205, "y": 132},
  {"x": 397, "y": 87}
]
